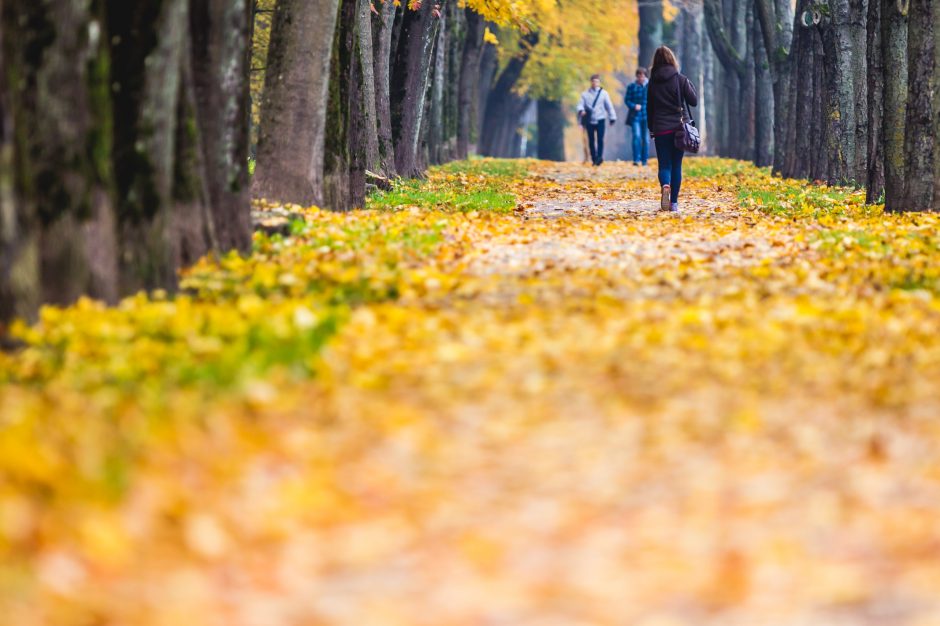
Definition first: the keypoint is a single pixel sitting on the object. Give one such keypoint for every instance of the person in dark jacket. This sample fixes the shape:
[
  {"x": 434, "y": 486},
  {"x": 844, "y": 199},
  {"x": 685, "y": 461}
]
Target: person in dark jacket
[
  {"x": 635, "y": 100},
  {"x": 667, "y": 91}
]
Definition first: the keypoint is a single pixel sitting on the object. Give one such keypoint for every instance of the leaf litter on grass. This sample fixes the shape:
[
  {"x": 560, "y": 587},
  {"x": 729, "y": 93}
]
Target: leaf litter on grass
[{"x": 581, "y": 411}]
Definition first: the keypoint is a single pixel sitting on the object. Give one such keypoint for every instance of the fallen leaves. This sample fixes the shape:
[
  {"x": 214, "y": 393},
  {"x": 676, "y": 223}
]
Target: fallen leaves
[{"x": 583, "y": 412}]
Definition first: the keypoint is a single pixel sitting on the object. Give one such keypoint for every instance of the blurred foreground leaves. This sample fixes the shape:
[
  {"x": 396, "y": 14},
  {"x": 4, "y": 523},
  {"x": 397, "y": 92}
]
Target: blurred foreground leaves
[{"x": 429, "y": 412}]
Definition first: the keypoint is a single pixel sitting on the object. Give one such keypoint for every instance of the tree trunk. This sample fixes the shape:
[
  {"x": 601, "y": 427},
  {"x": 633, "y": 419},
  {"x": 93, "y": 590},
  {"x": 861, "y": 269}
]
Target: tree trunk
[
  {"x": 735, "y": 68},
  {"x": 488, "y": 66},
  {"x": 844, "y": 40},
  {"x": 776, "y": 25},
  {"x": 382, "y": 31},
  {"x": 221, "y": 50},
  {"x": 551, "y": 130},
  {"x": 874, "y": 185},
  {"x": 741, "y": 28},
  {"x": 692, "y": 58},
  {"x": 651, "y": 30},
  {"x": 365, "y": 107},
  {"x": 191, "y": 227},
  {"x": 707, "y": 118},
  {"x": 410, "y": 77},
  {"x": 467, "y": 94},
  {"x": 921, "y": 108},
  {"x": 894, "y": 54},
  {"x": 764, "y": 103},
  {"x": 503, "y": 107},
  {"x": 339, "y": 190},
  {"x": 293, "y": 111},
  {"x": 436, "y": 119}
]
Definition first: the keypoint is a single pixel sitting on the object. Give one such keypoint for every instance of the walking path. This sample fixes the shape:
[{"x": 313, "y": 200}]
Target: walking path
[{"x": 584, "y": 413}]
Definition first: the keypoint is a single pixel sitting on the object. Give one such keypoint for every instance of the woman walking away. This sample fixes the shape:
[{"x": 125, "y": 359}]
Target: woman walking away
[
  {"x": 594, "y": 109},
  {"x": 668, "y": 92}
]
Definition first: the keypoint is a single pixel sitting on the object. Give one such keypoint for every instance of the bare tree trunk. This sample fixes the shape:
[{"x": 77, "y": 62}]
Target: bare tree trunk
[
  {"x": 651, "y": 30},
  {"x": 742, "y": 28},
  {"x": 776, "y": 24},
  {"x": 488, "y": 66},
  {"x": 894, "y": 54},
  {"x": 874, "y": 185},
  {"x": 192, "y": 229},
  {"x": 551, "y": 130},
  {"x": 382, "y": 31},
  {"x": 503, "y": 107},
  {"x": 805, "y": 153},
  {"x": 467, "y": 96},
  {"x": 293, "y": 112},
  {"x": 921, "y": 108},
  {"x": 707, "y": 116},
  {"x": 365, "y": 104},
  {"x": 844, "y": 38},
  {"x": 221, "y": 32},
  {"x": 727, "y": 50},
  {"x": 339, "y": 190},
  {"x": 410, "y": 77},
  {"x": 692, "y": 58},
  {"x": 764, "y": 103},
  {"x": 436, "y": 119}
]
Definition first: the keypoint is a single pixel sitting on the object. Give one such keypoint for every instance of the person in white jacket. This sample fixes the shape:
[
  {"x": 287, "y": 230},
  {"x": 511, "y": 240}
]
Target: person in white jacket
[{"x": 594, "y": 111}]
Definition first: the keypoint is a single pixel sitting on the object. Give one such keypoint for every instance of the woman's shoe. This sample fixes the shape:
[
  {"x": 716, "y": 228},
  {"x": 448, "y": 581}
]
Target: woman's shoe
[
  {"x": 664, "y": 203},
  {"x": 674, "y": 207}
]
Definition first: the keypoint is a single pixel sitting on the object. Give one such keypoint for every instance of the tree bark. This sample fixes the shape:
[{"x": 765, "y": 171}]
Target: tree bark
[
  {"x": 59, "y": 231},
  {"x": 410, "y": 75},
  {"x": 874, "y": 185},
  {"x": 776, "y": 24},
  {"x": 921, "y": 109},
  {"x": 894, "y": 55},
  {"x": 551, "y": 130},
  {"x": 844, "y": 37},
  {"x": 382, "y": 31},
  {"x": 436, "y": 119},
  {"x": 339, "y": 190},
  {"x": 467, "y": 96},
  {"x": 692, "y": 58},
  {"x": 651, "y": 30},
  {"x": 488, "y": 66},
  {"x": 804, "y": 151},
  {"x": 725, "y": 49},
  {"x": 764, "y": 104},
  {"x": 293, "y": 111},
  {"x": 221, "y": 35},
  {"x": 503, "y": 106},
  {"x": 366, "y": 107}
]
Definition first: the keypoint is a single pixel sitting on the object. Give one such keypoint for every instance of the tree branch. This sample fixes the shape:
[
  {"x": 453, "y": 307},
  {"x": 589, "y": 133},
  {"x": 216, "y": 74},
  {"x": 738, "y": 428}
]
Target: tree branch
[{"x": 724, "y": 49}]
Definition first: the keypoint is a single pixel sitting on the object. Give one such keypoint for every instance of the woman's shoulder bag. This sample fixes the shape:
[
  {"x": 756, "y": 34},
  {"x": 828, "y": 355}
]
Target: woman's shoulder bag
[{"x": 687, "y": 138}]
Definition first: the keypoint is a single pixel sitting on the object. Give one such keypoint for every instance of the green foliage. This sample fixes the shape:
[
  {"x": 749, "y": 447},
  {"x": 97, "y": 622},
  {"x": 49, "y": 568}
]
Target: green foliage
[{"x": 462, "y": 186}]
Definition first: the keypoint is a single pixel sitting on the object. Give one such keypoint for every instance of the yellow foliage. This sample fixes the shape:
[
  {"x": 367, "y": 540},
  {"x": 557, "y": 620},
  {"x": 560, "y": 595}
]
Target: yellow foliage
[{"x": 430, "y": 412}]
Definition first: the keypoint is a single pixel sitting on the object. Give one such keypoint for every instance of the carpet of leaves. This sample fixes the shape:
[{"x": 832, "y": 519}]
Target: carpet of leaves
[{"x": 583, "y": 411}]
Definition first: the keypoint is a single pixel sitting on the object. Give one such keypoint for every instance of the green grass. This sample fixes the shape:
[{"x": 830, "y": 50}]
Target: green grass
[
  {"x": 462, "y": 186},
  {"x": 410, "y": 194},
  {"x": 713, "y": 167},
  {"x": 790, "y": 198},
  {"x": 490, "y": 168}
]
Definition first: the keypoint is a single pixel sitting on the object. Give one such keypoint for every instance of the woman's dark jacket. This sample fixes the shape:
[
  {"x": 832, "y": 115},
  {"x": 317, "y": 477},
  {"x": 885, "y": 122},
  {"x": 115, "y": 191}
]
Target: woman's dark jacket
[{"x": 663, "y": 107}]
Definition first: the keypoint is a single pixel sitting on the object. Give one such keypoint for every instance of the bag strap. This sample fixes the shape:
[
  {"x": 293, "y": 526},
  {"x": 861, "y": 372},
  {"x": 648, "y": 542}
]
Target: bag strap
[
  {"x": 684, "y": 106},
  {"x": 596, "y": 98}
]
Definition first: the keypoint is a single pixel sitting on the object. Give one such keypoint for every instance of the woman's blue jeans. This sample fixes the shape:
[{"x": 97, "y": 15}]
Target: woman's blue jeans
[
  {"x": 641, "y": 142},
  {"x": 670, "y": 164}
]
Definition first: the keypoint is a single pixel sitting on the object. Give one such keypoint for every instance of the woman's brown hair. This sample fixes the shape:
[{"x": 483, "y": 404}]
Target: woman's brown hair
[{"x": 664, "y": 56}]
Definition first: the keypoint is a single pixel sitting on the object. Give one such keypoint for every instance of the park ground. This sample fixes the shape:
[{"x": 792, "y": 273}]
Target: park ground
[{"x": 512, "y": 394}]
